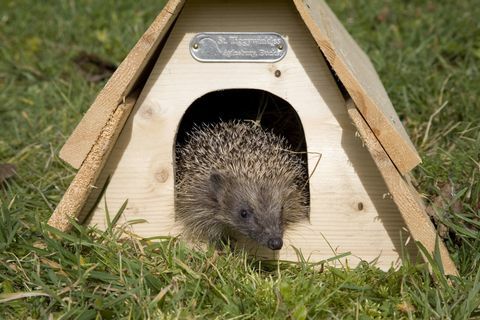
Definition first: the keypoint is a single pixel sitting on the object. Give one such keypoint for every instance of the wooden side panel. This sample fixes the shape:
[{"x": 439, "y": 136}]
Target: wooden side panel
[
  {"x": 359, "y": 77},
  {"x": 407, "y": 199},
  {"x": 349, "y": 212},
  {"x": 79, "y": 144}
]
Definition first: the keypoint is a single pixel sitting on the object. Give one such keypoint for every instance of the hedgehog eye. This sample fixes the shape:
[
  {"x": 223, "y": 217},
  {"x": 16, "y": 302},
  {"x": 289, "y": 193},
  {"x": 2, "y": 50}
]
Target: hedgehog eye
[{"x": 243, "y": 213}]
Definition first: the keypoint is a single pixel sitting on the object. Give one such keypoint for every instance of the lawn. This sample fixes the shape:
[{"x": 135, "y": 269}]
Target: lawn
[{"x": 55, "y": 56}]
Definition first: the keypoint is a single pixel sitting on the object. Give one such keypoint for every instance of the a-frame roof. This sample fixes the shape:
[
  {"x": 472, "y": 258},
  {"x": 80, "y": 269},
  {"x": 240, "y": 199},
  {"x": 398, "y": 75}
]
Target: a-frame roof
[{"x": 346, "y": 58}]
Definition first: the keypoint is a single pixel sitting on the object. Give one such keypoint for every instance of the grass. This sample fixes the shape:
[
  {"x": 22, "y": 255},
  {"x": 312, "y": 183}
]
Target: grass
[{"x": 428, "y": 56}]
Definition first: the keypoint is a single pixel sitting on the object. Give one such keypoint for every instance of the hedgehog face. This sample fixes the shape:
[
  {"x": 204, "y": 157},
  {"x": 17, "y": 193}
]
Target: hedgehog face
[{"x": 254, "y": 208}]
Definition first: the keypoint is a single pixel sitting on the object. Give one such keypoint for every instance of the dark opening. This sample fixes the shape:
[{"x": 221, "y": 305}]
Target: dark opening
[{"x": 273, "y": 112}]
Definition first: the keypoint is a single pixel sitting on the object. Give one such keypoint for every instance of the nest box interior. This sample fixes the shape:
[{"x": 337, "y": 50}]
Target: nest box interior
[{"x": 351, "y": 205}]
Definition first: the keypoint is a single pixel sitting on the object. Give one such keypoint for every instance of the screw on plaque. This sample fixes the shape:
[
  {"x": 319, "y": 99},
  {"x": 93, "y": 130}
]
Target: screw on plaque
[{"x": 195, "y": 46}]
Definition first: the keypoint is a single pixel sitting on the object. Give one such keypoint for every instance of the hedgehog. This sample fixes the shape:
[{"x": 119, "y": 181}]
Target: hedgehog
[{"x": 237, "y": 178}]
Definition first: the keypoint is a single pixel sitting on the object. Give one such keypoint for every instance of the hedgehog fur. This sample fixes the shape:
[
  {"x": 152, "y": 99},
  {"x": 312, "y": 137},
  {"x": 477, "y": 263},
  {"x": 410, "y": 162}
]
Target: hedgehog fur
[{"x": 235, "y": 177}]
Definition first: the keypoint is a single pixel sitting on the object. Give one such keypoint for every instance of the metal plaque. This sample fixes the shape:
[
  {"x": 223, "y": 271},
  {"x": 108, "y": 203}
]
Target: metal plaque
[{"x": 238, "y": 47}]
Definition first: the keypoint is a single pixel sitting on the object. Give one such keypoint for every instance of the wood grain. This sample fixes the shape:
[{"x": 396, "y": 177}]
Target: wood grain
[
  {"x": 360, "y": 79},
  {"x": 82, "y": 139},
  {"x": 80, "y": 189},
  {"x": 405, "y": 196},
  {"x": 141, "y": 163}
]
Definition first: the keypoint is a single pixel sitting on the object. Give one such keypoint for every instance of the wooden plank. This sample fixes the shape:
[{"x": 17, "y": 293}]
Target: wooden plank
[
  {"x": 405, "y": 196},
  {"x": 80, "y": 142},
  {"x": 83, "y": 184},
  {"x": 347, "y": 205},
  {"x": 360, "y": 79}
]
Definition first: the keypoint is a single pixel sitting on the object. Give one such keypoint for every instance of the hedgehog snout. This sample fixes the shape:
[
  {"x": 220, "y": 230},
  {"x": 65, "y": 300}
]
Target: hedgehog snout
[{"x": 275, "y": 243}]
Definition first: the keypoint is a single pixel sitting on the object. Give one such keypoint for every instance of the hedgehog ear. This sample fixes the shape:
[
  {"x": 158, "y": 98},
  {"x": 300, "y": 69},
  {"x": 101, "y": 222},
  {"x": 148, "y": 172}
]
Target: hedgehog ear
[{"x": 217, "y": 183}]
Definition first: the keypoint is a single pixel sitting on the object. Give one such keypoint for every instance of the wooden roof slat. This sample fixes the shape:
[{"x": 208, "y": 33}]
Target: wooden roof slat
[
  {"x": 404, "y": 195},
  {"x": 356, "y": 72},
  {"x": 81, "y": 141}
]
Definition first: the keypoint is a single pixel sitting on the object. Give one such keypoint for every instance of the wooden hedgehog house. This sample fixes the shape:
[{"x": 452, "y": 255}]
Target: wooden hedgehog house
[{"x": 290, "y": 65}]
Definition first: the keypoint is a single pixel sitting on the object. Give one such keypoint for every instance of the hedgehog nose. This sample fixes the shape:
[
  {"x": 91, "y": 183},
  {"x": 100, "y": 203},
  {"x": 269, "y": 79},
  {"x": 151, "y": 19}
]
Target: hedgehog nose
[{"x": 275, "y": 243}]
